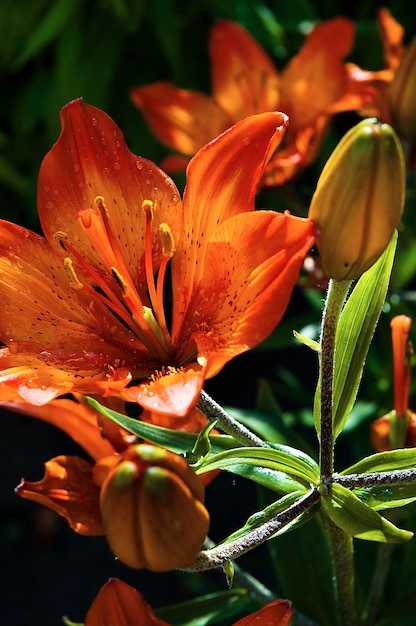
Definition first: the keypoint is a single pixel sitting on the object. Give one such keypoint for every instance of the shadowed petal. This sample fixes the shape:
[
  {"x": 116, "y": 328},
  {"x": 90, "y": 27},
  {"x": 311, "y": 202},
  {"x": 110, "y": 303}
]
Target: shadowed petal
[
  {"x": 181, "y": 119},
  {"x": 277, "y": 613},
  {"x": 118, "y": 604},
  {"x": 68, "y": 489},
  {"x": 244, "y": 79}
]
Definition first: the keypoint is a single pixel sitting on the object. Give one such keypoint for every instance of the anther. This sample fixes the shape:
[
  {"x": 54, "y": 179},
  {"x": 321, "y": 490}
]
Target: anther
[
  {"x": 59, "y": 237},
  {"x": 101, "y": 205},
  {"x": 168, "y": 242},
  {"x": 73, "y": 278},
  {"x": 147, "y": 206},
  {"x": 119, "y": 280}
]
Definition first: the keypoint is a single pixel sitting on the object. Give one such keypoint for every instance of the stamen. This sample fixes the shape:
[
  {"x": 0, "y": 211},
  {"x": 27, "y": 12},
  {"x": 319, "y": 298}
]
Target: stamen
[
  {"x": 168, "y": 242},
  {"x": 73, "y": 278}
]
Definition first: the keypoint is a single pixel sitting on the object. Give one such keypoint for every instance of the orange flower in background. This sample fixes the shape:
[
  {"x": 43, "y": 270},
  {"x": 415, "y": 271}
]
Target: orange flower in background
[
  {"x": 394, "y": 86},
  {"x": 398, "y": 428},
  {"x": 119, "y": 604},
  {"x": 85, "y": 308},
  {"x": 312, "y": 87}
]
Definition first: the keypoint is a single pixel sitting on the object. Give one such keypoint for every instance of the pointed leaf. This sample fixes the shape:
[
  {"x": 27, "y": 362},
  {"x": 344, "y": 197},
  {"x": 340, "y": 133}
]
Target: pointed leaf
[
  {"x": 384, "y": 462},
  {"x": 355, "y": 332},
  {"x": 358, "y": 519}
]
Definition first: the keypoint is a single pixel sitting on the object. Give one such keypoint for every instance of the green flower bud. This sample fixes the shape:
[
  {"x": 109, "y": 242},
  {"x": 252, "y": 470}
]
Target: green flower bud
[{"x": 359, "y": 199}]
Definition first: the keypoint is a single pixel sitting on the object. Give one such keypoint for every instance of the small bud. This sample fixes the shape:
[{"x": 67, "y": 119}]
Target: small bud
[
  {"x": 152, "y": 509},
  {"x": 359, "y": 199},
  {"x": 402, "y": 94}
]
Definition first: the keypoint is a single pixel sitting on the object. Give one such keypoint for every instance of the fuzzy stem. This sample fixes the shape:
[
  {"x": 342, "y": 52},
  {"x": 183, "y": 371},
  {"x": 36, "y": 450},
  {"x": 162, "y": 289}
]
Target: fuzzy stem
[
  {"x": 335, "y": 299},
  {"x": 343, "y": 579},
  {"x": 229, "y": 424},
  {"x": 210, "y": 559}
]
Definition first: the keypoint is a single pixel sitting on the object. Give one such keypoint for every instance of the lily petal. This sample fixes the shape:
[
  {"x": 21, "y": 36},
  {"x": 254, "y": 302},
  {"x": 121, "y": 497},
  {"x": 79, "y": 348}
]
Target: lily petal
[
  {"x": 277, "y": 613},
  {"x": 392, "y": 36},
  {"x": 227, "y": 190},
  {"x": 68, "y": 489},
  {"x": 77, "y": 419},
  {"x": 181, "y": 119},
  {"x": 245, "y": 282},
  {"x": 175, "y": 392},
  {"x": 247, "y": 82},
  {"x": 120, "y": 604},
  {"x": 90, "y": 160}
]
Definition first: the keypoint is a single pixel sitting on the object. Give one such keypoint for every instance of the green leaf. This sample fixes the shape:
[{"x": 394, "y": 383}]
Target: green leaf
[
  {"x": 384, "y": 462},
  {"x": 381, "y": 497},
  {"x": 307, "y": 341},
  {"x": 279, "y": 459},
  {"x": 261, "y": 517},
  {"x": 48, "y": 29},
  {"x": 209, "y": 609},
  {"x": 173, "y": 440},
  {"x": 358, "y": 519},
  {"x": 355, "y": 331}
]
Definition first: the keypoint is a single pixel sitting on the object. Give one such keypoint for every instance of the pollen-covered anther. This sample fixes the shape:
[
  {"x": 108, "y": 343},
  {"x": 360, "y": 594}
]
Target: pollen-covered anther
[
  {"x": 168, "y": 242},
  {"x": 60, "y": 236},
  {"x": 147, "y": 206},
  {"x": 100, "y": 204},
  {"x": 73, "y": 278}
]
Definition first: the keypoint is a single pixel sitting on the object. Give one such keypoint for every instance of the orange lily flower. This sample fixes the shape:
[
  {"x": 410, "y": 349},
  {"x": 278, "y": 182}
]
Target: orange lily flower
[
  {"x": 398, "y": 428},
  {"x": 85, "y": 308},
  {"x": 119, "y": 604},
  {"x": 394, "y": 86},
  {"x": 311, "y": 88}
]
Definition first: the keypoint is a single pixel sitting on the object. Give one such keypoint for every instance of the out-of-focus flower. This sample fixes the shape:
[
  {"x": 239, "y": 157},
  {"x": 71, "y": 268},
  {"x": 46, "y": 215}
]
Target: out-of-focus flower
[
  {"x": 152, "y": 509},
  {"x": 359, "y": 199},
  {"x": 85, "y": 308},
  {"x": 397, "y": 429},
  {"x": 119, "y": 604},
  {"x": 395, "y": 85},
  {"x": 313, "y": 86}
]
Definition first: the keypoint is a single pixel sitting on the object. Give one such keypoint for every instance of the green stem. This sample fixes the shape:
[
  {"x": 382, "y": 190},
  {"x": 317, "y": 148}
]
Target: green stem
[
  {"x": 228, "y": 423},
  {"x": 343, "y": 562},
  {"x": 335, "y": 299}
]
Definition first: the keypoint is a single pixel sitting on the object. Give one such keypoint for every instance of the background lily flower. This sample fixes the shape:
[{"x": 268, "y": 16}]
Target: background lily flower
[
  {"x": 311, "y": 88},
  {"x": 84, "y": 308},
  {"x": 119, "y": 603}
]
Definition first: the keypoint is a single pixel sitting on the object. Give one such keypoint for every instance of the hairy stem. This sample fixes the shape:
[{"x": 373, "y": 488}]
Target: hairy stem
[
  {"x": 343, "y": 561},
  {"x": 228, "y": 423}
]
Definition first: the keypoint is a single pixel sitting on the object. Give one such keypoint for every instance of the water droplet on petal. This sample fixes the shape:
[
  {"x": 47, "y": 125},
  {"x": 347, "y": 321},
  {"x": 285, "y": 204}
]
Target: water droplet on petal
[
  {"x": 117, "y": 165},
  {"x": 94, "y": 121},
  {"x": 246, "y": 141},
  {"x": 139, "y": 164},
  {"x": 77, "y": 167}
]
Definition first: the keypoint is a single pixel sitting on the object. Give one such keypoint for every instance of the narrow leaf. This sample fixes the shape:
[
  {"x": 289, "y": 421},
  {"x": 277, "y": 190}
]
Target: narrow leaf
[{"x": 358, "y": 519}]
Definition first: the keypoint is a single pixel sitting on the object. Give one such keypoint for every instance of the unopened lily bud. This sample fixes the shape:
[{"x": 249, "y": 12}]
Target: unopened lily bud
[
  {"x": 152, "y": 510},
  {"x": 402, "y": 94},
  {"x": 359, "y": 199}
]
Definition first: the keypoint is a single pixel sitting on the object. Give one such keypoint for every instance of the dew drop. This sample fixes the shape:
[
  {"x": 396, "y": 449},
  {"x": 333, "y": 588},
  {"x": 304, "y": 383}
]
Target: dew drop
[
  {"x": 46, "y": 189},
  {"x": 103, "y": 142},
  {"x": 175, "y": 198},
  {"x": 94, "y": 121},
  {"x": 106, "y": 171},
  {"x": 139, "y": 164},
  {"x": 117, "y": 165},
  {"x": 49, "y": 205},
  {"x": 13, "y": 346},
  {"x": 246, "y": 141},
  {"x": 77, "y": 167}
]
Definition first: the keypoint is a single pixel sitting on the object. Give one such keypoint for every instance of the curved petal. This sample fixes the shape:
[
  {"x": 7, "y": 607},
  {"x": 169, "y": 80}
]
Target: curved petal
[
  {"x": 277, "y": 613},
  {"x": 316, "y": 77},
  {"x": 244, "y": 78},
  {"x": 181, "y": 119},
  {"x": 222, "y": 181},
  {"x": 68, "y": 489},
  {"x": 174, "y": 392},
  {"x": 246, "y": 287},
  {"x": 43, "y": 315},
  {"x": 119, "y": 604},
  {"x": 90, "y": 160},
  {"x": 28, "y": 378},
  {"x": 174, "y": 163},
  {"x": 77, "y": 419},
  {"x": 392, "y": 35}
]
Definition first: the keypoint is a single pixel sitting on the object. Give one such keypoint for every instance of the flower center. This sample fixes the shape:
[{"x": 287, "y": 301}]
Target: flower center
[{"x": 116, "y": 289}]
